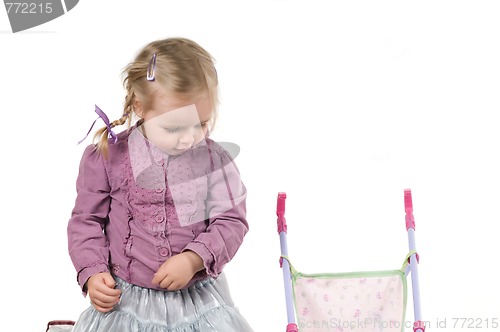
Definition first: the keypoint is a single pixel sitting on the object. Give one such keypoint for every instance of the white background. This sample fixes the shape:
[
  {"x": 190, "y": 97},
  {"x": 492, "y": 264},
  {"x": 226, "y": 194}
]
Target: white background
[{"x": 342, "y": 105}]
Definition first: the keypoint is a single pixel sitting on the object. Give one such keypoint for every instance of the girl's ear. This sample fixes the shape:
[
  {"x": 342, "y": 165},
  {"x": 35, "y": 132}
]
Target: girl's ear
[{"x": 138, "y": 108}]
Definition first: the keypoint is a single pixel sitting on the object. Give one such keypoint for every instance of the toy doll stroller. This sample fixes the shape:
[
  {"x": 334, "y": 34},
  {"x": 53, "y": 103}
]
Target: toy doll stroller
[{"x": 353, "y": 301}]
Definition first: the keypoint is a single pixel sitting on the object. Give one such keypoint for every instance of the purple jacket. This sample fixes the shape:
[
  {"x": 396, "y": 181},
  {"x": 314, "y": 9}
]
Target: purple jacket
[{"x": 140, "y": 206}]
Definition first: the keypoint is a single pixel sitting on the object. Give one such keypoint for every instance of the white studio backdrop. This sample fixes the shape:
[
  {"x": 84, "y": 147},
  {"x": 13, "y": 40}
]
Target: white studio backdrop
[{"x": 342, "y": 105}]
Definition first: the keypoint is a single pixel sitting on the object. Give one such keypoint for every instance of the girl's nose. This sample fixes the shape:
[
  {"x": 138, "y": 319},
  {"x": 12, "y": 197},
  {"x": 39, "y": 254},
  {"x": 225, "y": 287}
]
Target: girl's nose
[{"x": 187, "y": 139}]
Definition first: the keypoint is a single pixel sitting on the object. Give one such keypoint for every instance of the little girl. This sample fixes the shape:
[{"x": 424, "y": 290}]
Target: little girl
[{"x": 160, "y": 207}]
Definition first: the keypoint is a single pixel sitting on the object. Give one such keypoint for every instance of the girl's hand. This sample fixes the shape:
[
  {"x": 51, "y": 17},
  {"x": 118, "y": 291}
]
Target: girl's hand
[
  {"x": 102, "y": 293},
  {"x": 178, "y": 270}
]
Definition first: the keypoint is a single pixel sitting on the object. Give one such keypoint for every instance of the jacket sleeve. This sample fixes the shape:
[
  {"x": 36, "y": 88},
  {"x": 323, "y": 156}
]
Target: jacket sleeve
[
  {"x": 226, "y": 212},
  {"x": 87, "y": 243}
]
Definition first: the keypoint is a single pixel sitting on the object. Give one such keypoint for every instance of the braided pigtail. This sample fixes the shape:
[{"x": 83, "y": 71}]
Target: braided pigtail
[{"x": 102, "y": 134}]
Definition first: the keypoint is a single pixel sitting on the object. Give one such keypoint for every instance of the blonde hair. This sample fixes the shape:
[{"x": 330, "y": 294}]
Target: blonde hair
[{"x": 183, "y": 68}]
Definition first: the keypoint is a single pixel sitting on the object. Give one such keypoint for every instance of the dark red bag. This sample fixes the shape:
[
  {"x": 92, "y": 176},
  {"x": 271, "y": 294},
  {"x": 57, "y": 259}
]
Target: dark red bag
[{"x": 60, "y": 326}]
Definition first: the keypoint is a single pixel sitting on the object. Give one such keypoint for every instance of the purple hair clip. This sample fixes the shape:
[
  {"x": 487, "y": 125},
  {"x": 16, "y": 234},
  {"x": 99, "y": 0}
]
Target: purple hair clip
[
  {"x": 150, "y": 74},
  {"x": 104, "y": 118}
]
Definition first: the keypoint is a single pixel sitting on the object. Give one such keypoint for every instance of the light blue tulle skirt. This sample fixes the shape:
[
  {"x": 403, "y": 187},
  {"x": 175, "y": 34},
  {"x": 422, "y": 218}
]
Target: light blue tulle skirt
[{"x": 204, "y": 307}]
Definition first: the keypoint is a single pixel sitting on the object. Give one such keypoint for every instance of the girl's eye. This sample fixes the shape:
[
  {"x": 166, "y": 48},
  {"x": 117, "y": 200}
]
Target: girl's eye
[
  {"x": 202, "y": 125},
  {"x": 172, "y": 130}
]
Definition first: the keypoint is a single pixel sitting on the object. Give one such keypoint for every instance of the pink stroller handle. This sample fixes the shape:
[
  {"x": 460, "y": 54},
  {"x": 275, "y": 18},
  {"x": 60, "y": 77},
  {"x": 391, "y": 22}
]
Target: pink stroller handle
[
  {"x": 280, "y": 212},
  {"x": 410, "y": 220}
]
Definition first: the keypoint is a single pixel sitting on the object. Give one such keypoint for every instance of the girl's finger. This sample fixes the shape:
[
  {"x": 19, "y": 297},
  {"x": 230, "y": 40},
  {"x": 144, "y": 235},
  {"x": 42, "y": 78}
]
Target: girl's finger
[{"x": 165, "y": 283}]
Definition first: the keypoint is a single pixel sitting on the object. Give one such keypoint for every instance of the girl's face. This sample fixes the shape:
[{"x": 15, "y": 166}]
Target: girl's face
[{"x": 174, "y": 125}]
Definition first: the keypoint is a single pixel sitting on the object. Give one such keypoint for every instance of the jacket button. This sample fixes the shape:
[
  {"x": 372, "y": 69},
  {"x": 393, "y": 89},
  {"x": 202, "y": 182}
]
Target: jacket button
[
  {"x": 159, "y": 218},
  {"x": 163, "y": 252}
]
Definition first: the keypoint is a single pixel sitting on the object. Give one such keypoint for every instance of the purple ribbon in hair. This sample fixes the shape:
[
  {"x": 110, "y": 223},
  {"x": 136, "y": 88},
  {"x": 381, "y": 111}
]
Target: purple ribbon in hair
[{"x": 104, "y": 118}]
